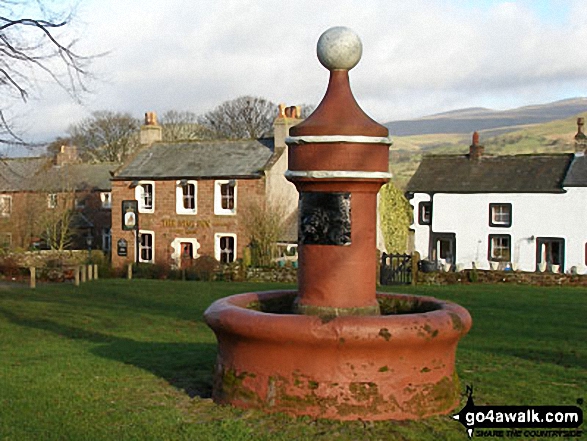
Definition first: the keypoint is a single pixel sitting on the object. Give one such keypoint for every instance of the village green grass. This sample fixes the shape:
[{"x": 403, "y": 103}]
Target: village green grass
[{"x": 133, "y": 360}]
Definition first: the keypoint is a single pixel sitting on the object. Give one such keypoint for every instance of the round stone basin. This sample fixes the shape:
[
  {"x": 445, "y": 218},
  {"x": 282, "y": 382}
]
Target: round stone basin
[{"x": 397, "y": 365}]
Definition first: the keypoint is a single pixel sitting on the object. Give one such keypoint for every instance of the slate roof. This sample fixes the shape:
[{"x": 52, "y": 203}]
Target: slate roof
[
  {"x": 17, "y": 174},
  {"x": 39, "y": 174},
  {"x": 577, "y": 174},
  {"x": 540, "y": 173},
  {"x": 201, "y": 159}
]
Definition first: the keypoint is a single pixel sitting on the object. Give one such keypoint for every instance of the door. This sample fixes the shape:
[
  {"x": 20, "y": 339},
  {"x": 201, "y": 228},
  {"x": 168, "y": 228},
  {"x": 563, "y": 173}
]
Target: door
[
  {"x": 443, "y": 250},
  {"x": 550, "y": 252},
  {"x": 187, "y": 254}
]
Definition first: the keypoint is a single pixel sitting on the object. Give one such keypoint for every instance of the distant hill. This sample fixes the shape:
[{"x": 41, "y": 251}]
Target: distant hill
[
  {"x": 466, "y": 121},
  {"x": 552, "y": 136}
]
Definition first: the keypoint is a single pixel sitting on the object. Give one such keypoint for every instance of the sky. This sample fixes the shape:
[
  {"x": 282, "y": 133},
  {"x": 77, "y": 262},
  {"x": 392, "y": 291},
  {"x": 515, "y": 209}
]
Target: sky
[{"x": 420, "y": 57}]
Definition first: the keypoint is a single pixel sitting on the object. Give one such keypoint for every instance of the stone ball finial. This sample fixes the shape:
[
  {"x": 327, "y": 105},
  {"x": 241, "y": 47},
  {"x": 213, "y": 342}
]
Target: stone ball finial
[{"x": 339, "y": 48}]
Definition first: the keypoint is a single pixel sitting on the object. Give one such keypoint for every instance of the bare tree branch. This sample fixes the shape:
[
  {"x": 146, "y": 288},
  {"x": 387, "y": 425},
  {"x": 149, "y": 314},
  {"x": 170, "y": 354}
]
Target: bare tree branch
[{"x": 31, "y": 45}]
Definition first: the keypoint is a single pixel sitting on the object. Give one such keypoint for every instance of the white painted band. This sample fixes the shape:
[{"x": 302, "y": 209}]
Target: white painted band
[
  {"x": 327, "y": 174},
  {"x": 339, "y": 138}
]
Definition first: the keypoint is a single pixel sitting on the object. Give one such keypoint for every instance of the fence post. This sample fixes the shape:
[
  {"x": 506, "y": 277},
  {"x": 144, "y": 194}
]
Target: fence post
[
  {"x": 95, "y": 271},
  {"x": 76, "y": 275},
  {"x": 415, "y": 262},
  {"x": 82, "y": 269},
  {"x": 33, "y": 281},
  {"x": 129, "y": 271},
  {"x": 90, "y": 275}
]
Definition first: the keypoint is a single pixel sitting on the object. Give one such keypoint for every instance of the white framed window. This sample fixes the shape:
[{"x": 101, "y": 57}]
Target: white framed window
[
  {"x": 5, "y": 205},
  {"x": 225, "y": 195},
  {"x": 500, "y": 247},
  {"x": 106, "y": 239},
  {"x": 52, "y": 200},
  {"x": 106, "y": 198},
  {"x": 425, "y": 213},
  {"x": 225, "y": 247},
  {"x": 500, "y": 215},
  {"x": 146, "y": 246},
  {"x": 186, "y": 197},
  {"x": 145, "y": 194}
]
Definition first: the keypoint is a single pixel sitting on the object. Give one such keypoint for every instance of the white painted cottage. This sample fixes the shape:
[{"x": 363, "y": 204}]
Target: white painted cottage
[{"x": 524, "y": 212}]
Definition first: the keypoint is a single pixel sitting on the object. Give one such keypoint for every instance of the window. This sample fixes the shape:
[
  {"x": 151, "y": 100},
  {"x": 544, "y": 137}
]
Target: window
[
  {"x": 145, "y": 194},
  {"x": 106, "y": 198},
  {"x": 52, "y": 200},
  {"x": 80, "y": 202},
  {"x": 500, "y": 215},
  {"x": 146, "y": 246},
  {"x": 5, "y": 205},
  {"x": 106, "y": 239},
  {"x": 225, "y": 247},
  {"x": 225, "y": 197},
  {"x": 500, "y": 247},
  {"x": 425, "y": 213},
  {"x": 5, "y": 240},
  {"x": 186, "y": 197}
]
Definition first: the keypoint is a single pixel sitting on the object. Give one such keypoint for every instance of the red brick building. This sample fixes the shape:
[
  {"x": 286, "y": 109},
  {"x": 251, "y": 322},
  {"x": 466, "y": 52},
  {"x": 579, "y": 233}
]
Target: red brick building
[
  {"x": 192, "y": 196},
  {"x": 37, "y": 195}
]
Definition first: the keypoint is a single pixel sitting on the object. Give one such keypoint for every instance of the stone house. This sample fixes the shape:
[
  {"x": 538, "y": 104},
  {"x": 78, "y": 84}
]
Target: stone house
[
  {"x": 521, "y": 212},
  {"x": 37, "y": 195},
  {"x": 192, "y": 197}
]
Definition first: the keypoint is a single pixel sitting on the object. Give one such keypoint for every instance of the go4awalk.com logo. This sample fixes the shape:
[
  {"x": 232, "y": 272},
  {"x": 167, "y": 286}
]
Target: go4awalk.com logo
[{"x": 520, "y": 421}]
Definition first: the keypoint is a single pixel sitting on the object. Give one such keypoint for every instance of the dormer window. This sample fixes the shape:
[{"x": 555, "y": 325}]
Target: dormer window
[{"x": 500, "y": 215}]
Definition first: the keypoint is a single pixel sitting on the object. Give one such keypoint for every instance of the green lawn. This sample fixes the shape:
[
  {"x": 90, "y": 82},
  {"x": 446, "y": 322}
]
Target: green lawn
[{"x": 120, "y": 360}]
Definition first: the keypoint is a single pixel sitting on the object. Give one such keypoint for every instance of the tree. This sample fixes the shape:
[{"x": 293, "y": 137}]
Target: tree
[
  {"x": 183, "y": 126},
  {"x": 395, "y": 214},
  {"x": 245, "y": 117},
  {"x": 30, "y": 47},
  {"x": 264, "y": 224},
  {"x": 106, "y": 136}
]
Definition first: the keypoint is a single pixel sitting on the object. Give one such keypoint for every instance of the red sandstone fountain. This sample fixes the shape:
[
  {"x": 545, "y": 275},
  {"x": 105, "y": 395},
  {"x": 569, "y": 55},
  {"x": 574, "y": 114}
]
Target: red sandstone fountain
[{"x": 336, "y": 348}]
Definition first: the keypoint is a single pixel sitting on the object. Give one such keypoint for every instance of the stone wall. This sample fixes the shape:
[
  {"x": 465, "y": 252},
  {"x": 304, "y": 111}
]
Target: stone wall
[{"x": 517, "y": 277}]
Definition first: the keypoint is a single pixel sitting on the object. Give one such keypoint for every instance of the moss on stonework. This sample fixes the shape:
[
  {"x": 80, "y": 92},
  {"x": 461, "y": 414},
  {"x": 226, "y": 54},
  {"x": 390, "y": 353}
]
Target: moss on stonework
[
  {"x": 276, "y": 305},
  {"x": 232, "y": 387},
  {"x": 457, "y": 323},
  {"x": 390, "y": 305},
  {"x": 437, "y": 398},
  {"x": 384, "y": 332}
]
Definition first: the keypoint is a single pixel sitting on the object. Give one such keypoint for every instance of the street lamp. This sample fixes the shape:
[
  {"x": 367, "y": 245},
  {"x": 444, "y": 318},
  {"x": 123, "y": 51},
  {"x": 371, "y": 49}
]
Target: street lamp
[{"x": 89, "y": 244}]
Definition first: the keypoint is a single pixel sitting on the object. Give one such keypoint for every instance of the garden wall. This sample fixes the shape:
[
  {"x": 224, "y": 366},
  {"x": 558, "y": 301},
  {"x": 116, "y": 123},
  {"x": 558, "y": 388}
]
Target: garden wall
[{"x": 518, "y": 277}]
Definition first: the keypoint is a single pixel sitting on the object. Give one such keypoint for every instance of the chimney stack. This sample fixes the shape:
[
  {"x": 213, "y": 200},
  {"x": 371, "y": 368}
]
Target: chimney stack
[
  {"x": 476, "y": 150},
  {"x": 580, "y": 138},
  {"x": 67, "y": 155},
  {"x": 287, "y": 117},
  {"x": 150, "y": 131}
]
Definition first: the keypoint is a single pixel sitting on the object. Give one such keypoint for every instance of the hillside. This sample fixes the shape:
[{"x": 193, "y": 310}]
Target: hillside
[
  {"x": 469, "y": 120},
  {"x": 552, "y": 136}
]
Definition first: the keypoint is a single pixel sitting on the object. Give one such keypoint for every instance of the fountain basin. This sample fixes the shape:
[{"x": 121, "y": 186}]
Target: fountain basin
[{"x": 397, "y": 365}]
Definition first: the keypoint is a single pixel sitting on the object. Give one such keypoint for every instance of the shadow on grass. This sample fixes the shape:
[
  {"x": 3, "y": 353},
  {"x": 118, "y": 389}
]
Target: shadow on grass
[{"x": 186, "y": 366}]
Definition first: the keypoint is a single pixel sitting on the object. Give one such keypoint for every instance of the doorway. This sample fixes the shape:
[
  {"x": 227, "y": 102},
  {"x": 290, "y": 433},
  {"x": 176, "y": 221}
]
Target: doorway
[
  {"x": 550, "y": 251},
  {"x": 443, "y": 250}
]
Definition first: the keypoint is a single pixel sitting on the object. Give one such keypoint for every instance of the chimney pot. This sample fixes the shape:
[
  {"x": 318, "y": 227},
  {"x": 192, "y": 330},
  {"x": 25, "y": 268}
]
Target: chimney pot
[{"x": 476, "y": 150}]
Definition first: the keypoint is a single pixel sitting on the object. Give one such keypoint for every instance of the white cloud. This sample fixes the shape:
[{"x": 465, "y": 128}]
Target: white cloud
[{"x": 419, "y": 56}]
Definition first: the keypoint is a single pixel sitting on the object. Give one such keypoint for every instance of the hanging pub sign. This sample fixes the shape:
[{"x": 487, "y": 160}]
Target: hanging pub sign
[
  {"x": 130, "y": 215},
  {"x": 122, "y": 247}
]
